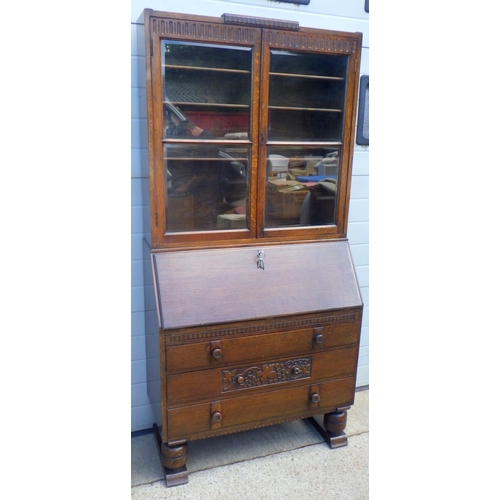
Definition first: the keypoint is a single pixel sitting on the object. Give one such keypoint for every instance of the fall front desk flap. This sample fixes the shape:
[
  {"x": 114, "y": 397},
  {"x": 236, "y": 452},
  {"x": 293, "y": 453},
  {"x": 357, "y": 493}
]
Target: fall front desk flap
[{"x": 196, "y": 287}]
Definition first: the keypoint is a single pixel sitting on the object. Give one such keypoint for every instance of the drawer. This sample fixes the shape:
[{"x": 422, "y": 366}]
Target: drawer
[
  {"x": 224, "y": 382},
  {"x": 259, "y": 347},
  {"x": 249, "y": 411}
]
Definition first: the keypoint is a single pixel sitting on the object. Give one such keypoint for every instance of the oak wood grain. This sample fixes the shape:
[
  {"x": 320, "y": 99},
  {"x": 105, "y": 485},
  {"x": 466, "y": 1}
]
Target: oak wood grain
[{"x": 222, "y": 285}]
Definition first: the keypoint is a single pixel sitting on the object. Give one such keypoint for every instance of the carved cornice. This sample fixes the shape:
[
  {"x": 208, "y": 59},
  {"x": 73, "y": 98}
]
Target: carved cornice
[
  {"x": 199, "y": 30},
  {"x": 264, "y": 327},
  {"x": 311, "y": 41},
  {"x": 243, "y": 29}
]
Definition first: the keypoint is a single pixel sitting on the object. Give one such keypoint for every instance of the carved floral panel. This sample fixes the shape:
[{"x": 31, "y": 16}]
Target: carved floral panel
[{"x": 277, "y": 372}]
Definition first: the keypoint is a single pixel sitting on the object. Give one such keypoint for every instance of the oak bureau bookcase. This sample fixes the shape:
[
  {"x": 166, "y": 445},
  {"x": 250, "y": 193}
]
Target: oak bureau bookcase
[{"x": 251, "y": 125}]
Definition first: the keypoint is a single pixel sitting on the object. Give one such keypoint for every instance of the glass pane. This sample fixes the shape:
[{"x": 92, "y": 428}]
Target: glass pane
[
  {"x": 206, "y": 187},
  {"x": 301, "y": 186},
  {"x": 210, "y": 85},
  {"x": 306, "y": 96}
]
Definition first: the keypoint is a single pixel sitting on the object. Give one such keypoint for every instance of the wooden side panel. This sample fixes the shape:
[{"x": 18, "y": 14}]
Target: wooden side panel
[{"x": 221, "y": 285}]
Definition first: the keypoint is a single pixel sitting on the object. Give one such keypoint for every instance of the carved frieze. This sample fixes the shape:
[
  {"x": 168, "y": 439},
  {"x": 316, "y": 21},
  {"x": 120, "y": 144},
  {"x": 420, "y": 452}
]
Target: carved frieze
[
  {"x": 335, "y": 44},
  {"x": 277, "y": 372},
  {"x": 199, "y": 29},
  {"x": 240, "y": 29}
]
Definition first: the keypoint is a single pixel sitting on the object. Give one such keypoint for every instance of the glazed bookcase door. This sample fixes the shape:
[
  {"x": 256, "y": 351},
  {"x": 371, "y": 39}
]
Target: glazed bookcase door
[
  {"x": 307, "y": 101},
  {"x": 203, "y": 184},
  {"x": 277, "y": 107}
]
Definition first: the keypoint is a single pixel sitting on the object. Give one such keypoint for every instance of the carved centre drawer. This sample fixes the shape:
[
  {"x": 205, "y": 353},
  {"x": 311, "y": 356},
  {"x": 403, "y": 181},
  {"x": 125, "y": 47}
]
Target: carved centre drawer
[{"x": 221, "y": 383}]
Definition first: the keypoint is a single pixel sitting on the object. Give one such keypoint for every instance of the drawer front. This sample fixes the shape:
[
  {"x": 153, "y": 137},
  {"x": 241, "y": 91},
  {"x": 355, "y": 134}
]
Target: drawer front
[
  {"x": 248, "y": 411},
  {"x": 223, "y": 382},
  {"x": 259, "y": 347}
]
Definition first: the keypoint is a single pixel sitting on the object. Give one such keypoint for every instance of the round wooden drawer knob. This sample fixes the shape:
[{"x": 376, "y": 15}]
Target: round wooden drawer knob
[
  {"x": 319, "y": 339},
  {"x": 216, "y": 416},
  {"x": 296, "y": 370},
  {"x": 217, "y": 353},
  {"x": 314, "y": 398},
  {"x": 240, "y": 379}
]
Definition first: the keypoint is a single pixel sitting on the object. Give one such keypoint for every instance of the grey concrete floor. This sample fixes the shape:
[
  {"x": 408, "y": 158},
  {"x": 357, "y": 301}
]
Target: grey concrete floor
[{"x": 280, "y": 460}]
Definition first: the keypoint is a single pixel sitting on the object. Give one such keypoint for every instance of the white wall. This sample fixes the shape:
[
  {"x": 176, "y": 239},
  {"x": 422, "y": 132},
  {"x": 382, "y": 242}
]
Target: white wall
[{"x": 328, "y": 14}]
